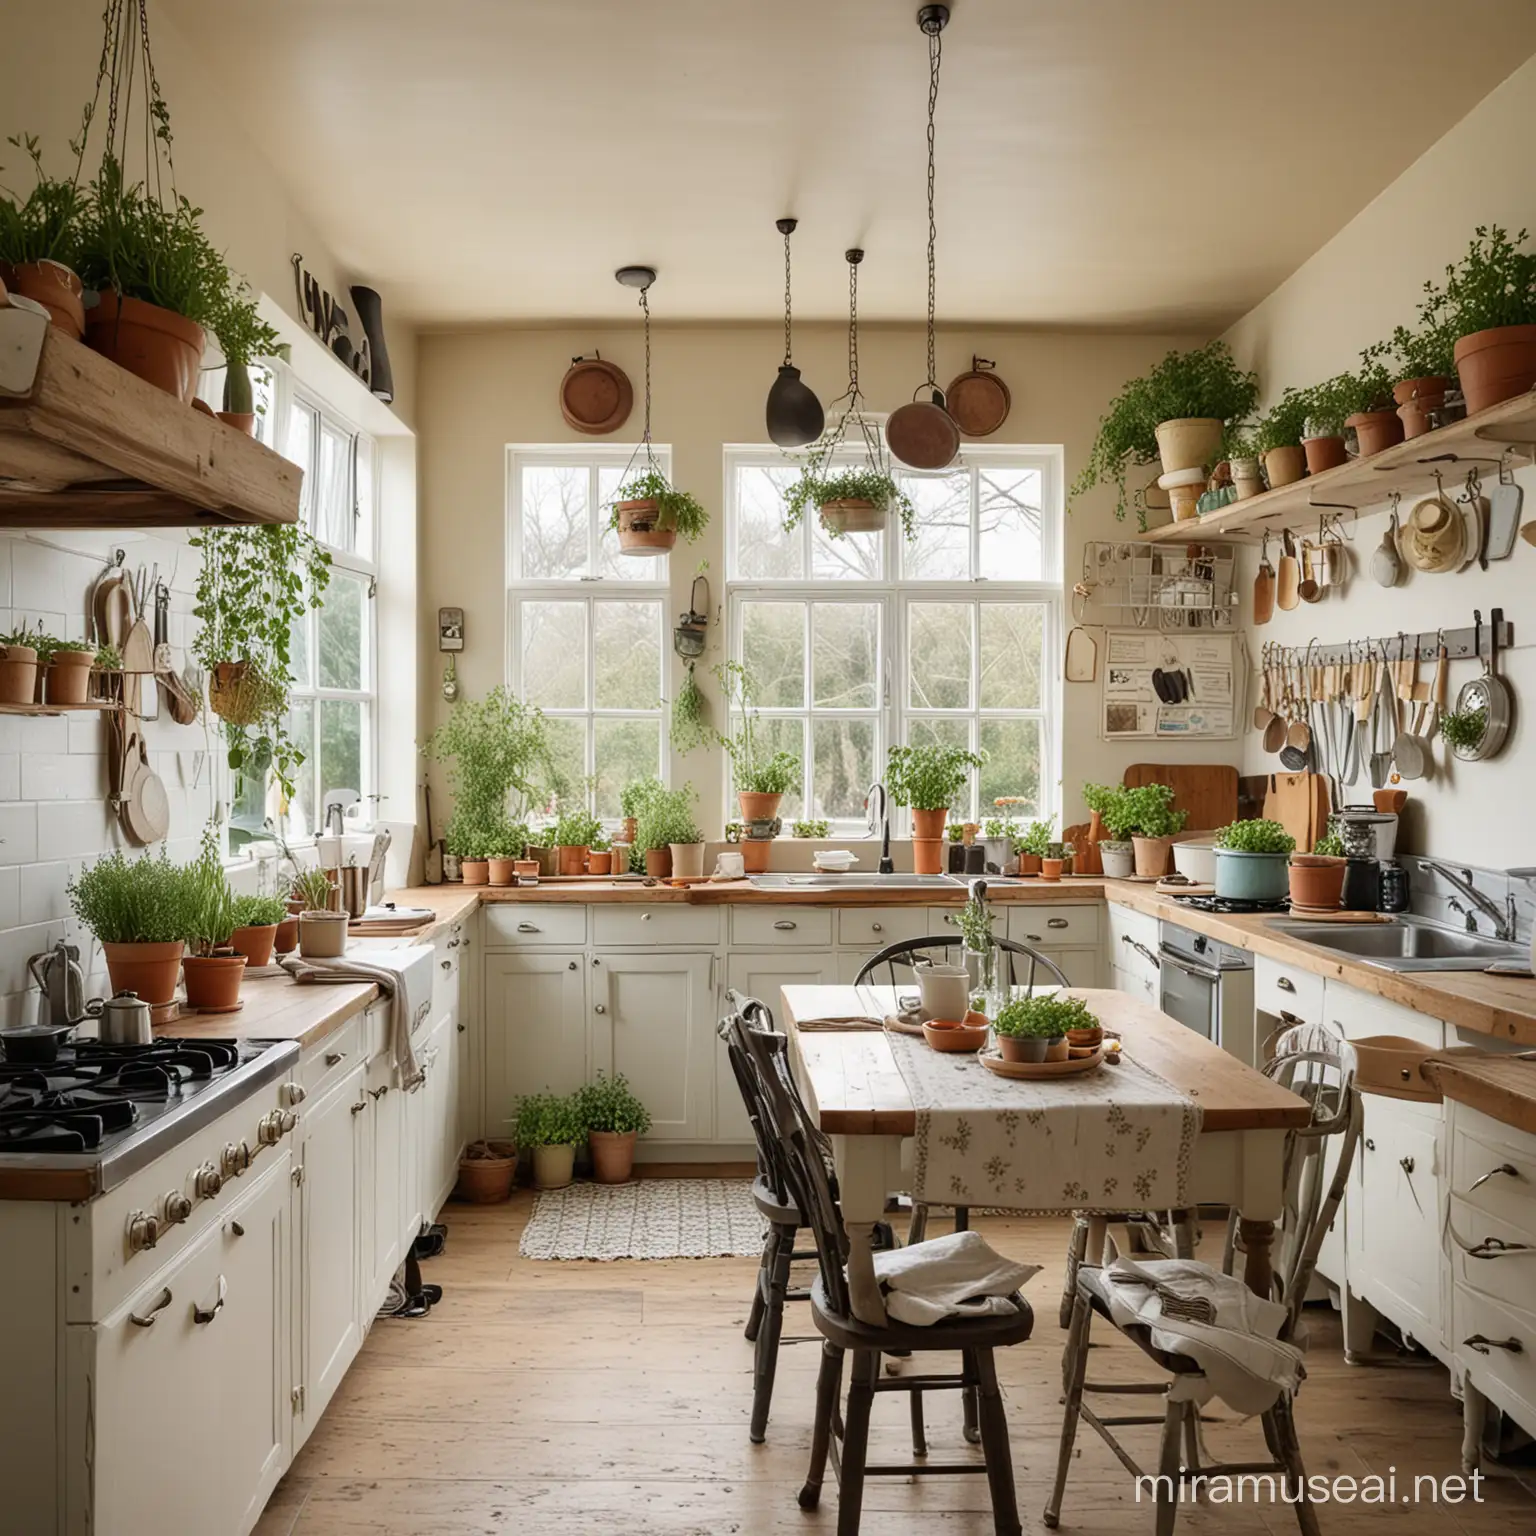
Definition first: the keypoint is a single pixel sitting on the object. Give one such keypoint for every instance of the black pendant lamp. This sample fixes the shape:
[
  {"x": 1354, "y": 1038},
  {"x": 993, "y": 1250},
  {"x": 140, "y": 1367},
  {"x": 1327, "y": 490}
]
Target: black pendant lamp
[{"x": 795, "y": 416}]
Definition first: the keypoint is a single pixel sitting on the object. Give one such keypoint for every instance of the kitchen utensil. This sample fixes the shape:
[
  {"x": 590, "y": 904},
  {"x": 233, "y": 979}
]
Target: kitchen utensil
[
  {"x": 34, "y": 1045},
  {"x": 1308, "y": 589},
  {"x": 180, "y": 702},
  {"x": 979, "y": 400},
  {"x": 945, "y": 990},
  {"x": 354, "y": 889},
  {"x": 1383, "y": 727},
  {"x": 1082, "y": 658},
  {"x": 1264, "y": 587},
  {"x": 1299, "y": 733},
  {"x": 1288, "y": 577},
  {"x": 1504, "y": 500},
  {"x": 432, "y": 868},
  {"x": 60, "y": 983},
  {"x": 123, "y": 1019},
  {"x": 146, "y": 807},
  {"x": 1489, "y": 692},
  {"x": 1411, "y": 750},
  {"x": 1386, "y": 563},
  {"x": 1474, "y": 516},
  {"x": 922, "y": 433},
  {"x": 162, "y": 627},
  {"x": 138, "y": 648}
]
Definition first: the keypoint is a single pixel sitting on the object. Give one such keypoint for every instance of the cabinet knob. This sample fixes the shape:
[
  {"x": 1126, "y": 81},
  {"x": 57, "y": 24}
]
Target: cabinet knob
[
  {"x": 876, "y": 928},
  {"x": 360, "y": 1106},
  {"x": 462, "y": 1028},
  {"x": 332, "y": 1058},
  {"x": 600, "y": 1008},
  {"x": 1406, "y": 1164},
  {"x": 596, "y": 961},
  {"x": 786, "y": 925},
  {"x": 204, "y": 1315},
  {"x": 571, "y": 966},
  {"x": 1370, "y": 1146},
  {"x": 447, "y": 965},
  {"x": 645, "y": 917}
]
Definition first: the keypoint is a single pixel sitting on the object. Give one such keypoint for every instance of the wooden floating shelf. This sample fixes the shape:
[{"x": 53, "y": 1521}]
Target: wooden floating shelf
[
  {"x": 97, "y": 706},
  {"x": 85, "y": 444},
  {"x": 1363, "y": 484}
]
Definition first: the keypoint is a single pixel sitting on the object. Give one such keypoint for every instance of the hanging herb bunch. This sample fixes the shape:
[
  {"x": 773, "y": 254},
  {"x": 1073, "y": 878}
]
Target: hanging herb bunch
[
  {"x": 255, "y": 585},
  {"x": 690, "y": 715},
  {"x": 851, "y": 497}
]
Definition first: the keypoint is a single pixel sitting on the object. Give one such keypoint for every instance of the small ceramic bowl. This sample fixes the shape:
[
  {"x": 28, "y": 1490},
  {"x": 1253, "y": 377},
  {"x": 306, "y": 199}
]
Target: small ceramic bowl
[{"x": 956, "y": 1035}]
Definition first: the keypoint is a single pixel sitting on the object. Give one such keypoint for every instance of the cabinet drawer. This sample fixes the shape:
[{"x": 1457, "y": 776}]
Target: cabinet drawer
[
  {"x": 1359, "y": 1015},
  {"x": 1501, "y": 1162},
  {"x": 1127, "y": 923},
  {"x": 650, "y": 925},
  {"x": 872, "y": 928},
  {"x": 329, "y": 1060},
  {"x": 798, "y": 927},
  {"x": 1048, "y": 927},
  {"x": 1502, "y": 1363},
  {"x": 1279, "y": 988},
  {"x": 1505, "y": 1267},
  {"x": 538, "y": 923}
]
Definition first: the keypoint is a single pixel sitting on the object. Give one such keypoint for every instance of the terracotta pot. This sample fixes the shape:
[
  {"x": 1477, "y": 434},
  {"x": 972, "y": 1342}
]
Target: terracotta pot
[
  {"x": 1050, "y": 869},
  {"x": 553, "y": 1167},
  {"x": 18, "y": 674},
  {"x": 1152, "y": 856},
  {"x": 286, "y": 939},
  {"x": 755, "y": 854},
  {"x": 599, "y": 862},
  {"x": 148, "y": 969},
  {"x": 1324, "y": 453},
  {"x": 755, "y": 807},
  {"x": 158, "y": 345},
  {"x": 487, "y": 1172},
  {"x": 573, "y": 858},
  {"x": 1375, "y": 430},
  {"x": 241, "y": 421},
  {"x": 213, "y": 981},
  {"x": 638, "y": 533},
  {"x": 1284, "y": 466},
  {"x": 1248, "y": 477},
  {"x": 1021, "y": 1047},
  {"x": 658, "y": 863},
  {"x": 1029, "y": 863},
  {"x": 613, "y": 1156},
  {"x": 1416, "y": 398},
  {"x": 257, "y": 941},
  {"x": 927, "y": 855},
  {"x": 1319, "y": 883},
  {"x": 1057, "y": 1049},
  {"x": 475, "y": 871},
  {"x": 630, "y": 829},
  {"x": 852, "y": 516},
  {"x": 1188, "y": 442},
  {"x": 929, "y": 824},
  {"x": 1496, "y": 365},
  {"x": 56, "y": 288},
  {"x": 68, "y": 679},
  {"x": 525, "y": 869},
  {"x": 687, "y": 860},
  {"x": 499, "y": 871}
]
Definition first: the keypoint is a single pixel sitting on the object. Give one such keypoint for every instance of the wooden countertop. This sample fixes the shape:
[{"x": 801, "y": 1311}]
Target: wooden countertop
[
  {"x": 740, "y": 893},
  {"x": 277, "y": 1008},
  {"x": 1502, "y": 1086}
]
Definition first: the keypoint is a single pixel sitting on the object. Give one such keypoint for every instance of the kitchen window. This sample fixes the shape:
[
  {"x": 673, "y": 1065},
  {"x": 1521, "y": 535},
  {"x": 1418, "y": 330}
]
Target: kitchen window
[
  {"x": 859, "y": 642},
  {"x": 586, "y": 624}
]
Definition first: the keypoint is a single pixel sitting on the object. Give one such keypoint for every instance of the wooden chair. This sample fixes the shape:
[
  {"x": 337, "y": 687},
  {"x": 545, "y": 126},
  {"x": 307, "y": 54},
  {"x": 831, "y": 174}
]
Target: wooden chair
[
  {"x": 845, "y": 1438},
  {"x": 1318, "y": 1066}
]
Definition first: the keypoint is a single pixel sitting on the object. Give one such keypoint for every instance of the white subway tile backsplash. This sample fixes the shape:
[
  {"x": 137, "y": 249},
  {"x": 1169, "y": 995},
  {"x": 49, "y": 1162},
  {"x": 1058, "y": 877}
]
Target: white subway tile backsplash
[
  {"x": 18, "y": 833},
  {"x": 10, "y": 776},
  {"x": 66, "y": 828},
  {"x": 42, "y": 892},
  {"x": 10, "y": 901},
  {"x": 62, "y": 776}
]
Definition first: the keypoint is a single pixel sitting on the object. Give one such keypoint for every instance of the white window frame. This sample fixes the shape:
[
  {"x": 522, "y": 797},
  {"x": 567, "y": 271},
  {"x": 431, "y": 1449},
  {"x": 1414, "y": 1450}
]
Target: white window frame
[
  {"x": 588, "y": 590},
  {"x": 894, "y": 594}
]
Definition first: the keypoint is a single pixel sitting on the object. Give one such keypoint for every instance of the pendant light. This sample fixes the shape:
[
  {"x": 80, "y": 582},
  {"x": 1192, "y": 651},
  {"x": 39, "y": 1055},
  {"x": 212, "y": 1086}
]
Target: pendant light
[
  {"x": 795, "y": 416},
  {"x": 923, "y": 434}
]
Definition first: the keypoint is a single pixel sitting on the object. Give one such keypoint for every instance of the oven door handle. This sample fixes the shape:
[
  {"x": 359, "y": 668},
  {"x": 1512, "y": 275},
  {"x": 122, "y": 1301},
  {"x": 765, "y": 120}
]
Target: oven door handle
[{"x": 1204, "y": 973}]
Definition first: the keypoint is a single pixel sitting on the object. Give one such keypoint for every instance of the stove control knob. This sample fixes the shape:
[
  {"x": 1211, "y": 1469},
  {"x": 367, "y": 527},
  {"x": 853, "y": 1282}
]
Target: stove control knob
[
  {"x": 175, "y": 1207},
  {"x": 287, "y": 1120},
  {"x": 236, "y": 1159},
  {"x": 207, "y": 1181},
  {"x": 143, "y": 1231},
  {"x": 269, "y": 1128},
  {"x": 293, "y": 1093}
]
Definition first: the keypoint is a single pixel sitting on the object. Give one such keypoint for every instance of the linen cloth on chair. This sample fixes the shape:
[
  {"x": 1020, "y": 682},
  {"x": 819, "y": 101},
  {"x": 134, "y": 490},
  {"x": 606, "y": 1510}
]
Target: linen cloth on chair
[{"x": 960, "y": 1275}]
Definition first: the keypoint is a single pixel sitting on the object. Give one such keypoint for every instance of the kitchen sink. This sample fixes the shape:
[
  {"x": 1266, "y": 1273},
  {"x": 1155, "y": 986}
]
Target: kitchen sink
[
  {"x": 1409, "y": 944},
  {"x": 855, "y": 882}
]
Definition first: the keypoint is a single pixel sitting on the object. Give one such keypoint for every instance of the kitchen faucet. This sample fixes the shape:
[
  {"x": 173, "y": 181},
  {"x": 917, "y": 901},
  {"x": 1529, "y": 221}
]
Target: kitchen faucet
[
  {"x": 1503, "y": 920},
  {"x": 878, "y": 803}
]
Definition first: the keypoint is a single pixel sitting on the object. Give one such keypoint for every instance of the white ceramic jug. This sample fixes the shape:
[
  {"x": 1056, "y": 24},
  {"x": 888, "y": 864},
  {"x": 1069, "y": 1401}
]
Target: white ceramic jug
[{"x": 945, "y": 990}]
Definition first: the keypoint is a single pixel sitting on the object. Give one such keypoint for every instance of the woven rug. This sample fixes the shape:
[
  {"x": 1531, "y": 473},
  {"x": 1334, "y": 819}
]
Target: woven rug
[{"x": 646, "y": 1219}]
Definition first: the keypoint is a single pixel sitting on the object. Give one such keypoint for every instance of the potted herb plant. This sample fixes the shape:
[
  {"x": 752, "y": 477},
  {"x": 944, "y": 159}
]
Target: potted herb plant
[
  {"x": 648, "y": 514},
  {"x": 1119, "y": 818},
  {"x": 18, "y": 667},
  {"x": 211, "y": 969},
  {"x": 1463, "y": 730},
  {"x": 614, "y": 1118},
  {"x": 139, "y": 910},
  {"x": 1322, "y": 434},
  {"x": 998, "y": 835},
  {"x": 503, "y": 848},
  {"x": 762, "y": 777},
  {"x": 600, "y": 856},
  {"x": 40, "y": 237},
  {"x": 980, "y": 954},
  {"x": 257, "y": 919},
  {"x": 69, "y": 664},
  {"x": 927, "y": 779},
  {"x": 1421, "y": 363},
  {"x": 1373, "y": 417},
  {"x": 669, "y": 820},
  {"x": 1035, "y": 1029},
  {"x": 856, "y": 499},
  {"x": 106, "y": 674},
  {"x": 1251, "y": 860},
  {"x": 551, "y": 1126},
  {"x": 1277, "y": 439},
  {"x": 244, "y": 338},
  {"x": 574, "y": 834},
  {"x": 469, "y": 842},
  {"x": 810, "y": 830},
  {"x": 1034, "y": 845},
  {"x": 631, "y": 798},
  {"x": 1155, "y": 825},
  {"x": 487, "y": 1170}
]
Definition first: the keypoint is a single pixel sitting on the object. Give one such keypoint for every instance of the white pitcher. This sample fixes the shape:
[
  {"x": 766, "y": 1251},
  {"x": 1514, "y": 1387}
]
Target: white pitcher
[{"x": 945, "y": 990}]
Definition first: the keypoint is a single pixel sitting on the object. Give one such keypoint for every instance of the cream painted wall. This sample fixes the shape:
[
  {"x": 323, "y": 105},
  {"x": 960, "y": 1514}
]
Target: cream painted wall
[
  {"x": 481, "y": 390},
  {"x": 1362, "y": 283}
]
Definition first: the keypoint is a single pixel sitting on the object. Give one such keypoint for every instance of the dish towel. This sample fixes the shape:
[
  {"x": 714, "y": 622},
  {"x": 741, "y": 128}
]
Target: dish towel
[
  {"x": 405, "y": 1010},
  {"x": 960, "y": 1275},
  {"x": 1235, "y": 1346}
]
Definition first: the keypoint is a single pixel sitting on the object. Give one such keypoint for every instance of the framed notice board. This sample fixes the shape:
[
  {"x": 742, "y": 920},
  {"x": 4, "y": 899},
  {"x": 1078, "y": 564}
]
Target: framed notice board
[{"x": 1168, "y": 687}]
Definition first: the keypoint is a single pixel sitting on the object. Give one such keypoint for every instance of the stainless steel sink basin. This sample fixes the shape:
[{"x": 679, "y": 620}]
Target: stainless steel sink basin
[
  {"x": 851, "y": 882},
  {"x": 1409, "y": 944}
]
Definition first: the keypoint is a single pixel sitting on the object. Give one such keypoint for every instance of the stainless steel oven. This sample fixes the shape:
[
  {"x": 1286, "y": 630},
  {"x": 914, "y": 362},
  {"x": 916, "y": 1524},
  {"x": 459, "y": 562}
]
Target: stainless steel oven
[{"x": 1208, "y": 986}]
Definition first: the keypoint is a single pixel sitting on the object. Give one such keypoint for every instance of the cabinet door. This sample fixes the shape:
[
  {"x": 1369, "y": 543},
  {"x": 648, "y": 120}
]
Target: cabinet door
[
  {"x": 386, "y": 1207},
  {"x": 535, "y": 1020},
  {"x": 653, "y": 1019},
  {"x": 1080, "y": 965},
  {"x": 761, "y": 976},
  {"x": 438, "y": 1149},
  {"x": 331, "y": 1239}
]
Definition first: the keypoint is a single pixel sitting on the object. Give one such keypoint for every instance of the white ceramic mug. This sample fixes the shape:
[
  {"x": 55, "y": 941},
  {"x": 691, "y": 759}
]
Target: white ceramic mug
[
  {"x": 730, "y": 866},
  {"x": 945, "y": 989}
]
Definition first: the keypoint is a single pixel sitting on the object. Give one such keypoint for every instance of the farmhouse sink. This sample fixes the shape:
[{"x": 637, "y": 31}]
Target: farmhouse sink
[{"x": 1409, "y": 944}]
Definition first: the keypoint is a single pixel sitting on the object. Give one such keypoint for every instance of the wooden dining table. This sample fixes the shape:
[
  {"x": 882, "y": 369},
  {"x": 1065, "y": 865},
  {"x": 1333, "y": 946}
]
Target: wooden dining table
[{"x": 859, "y": 1099}]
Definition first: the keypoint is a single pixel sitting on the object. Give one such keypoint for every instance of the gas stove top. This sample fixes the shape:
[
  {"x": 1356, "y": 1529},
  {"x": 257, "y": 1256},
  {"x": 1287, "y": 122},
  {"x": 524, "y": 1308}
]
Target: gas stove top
[
  {"x": 114, "y": 1108},
  {"x": 1231, "y": 905}
]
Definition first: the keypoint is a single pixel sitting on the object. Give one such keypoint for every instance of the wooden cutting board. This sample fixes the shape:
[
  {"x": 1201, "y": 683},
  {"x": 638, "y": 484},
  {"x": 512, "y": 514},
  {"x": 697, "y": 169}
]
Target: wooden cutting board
[
  {"x": 1300, "y": 803},
  {"x": 1208, "y": 791}
]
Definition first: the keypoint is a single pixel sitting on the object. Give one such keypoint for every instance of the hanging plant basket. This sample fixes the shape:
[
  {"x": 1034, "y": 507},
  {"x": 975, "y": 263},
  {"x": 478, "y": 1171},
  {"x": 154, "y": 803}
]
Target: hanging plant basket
[
  {"x": 639, "y": 533},
  {"x": 240, "y": 695},
  {"x": 852, "y": 515}
]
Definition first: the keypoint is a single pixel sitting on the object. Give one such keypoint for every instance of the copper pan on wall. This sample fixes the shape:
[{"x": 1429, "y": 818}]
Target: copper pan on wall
[{"x": 922, "y": 433}]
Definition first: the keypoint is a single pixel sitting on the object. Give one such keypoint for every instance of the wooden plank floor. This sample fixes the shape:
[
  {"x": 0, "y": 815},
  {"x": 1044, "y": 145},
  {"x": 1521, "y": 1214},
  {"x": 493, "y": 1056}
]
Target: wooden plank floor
[{"x": 612, "y": 1399}]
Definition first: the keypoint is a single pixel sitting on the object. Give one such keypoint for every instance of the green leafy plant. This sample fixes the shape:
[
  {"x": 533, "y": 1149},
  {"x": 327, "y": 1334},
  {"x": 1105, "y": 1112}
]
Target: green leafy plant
[
  {"x": 1425, "y": 352},
  {"x": 1493, "y": 285},
  {"x": 1150, "y": 811},
  {"x": 108, "y": 659},
  {"x": 1000, "y": 827},
  {"x": 48, "y": 646},
  {"x": 610, "y": 1104},
  {"x": 1037, "y": 838},
  {"x": 674, "y": 509},
  {"x": 133, "y": 901},
  {"x": 636, "y": 793},
  {"x": 929, "y": 777},
  {"x": 44, "y": 225},
  {"x": 755, "y": 770},
  {"x": 1329, "y": 844},
  {"x": 1282, "y": 424},
  {"x": 576, "y": 828},
  {"x": 210, "y": 902},
  {"x": 955, "y": 831},
  {"x": 1043, "y": 1018},
  {"x": 1118, "y": 814},
  {"x": 1255, "y": 836},
  {"x": 1464, "y": 729},
  {"x": 666, "y": 817},
  {"x": 819, "y": 484},
  {"x": 244, "y": 338},
  {"x": 1204, "y": 382},
  {"x": 259, "y": 911},
  {"x": 508, "y": 840},
  {"x": 809, "y": 829},
  {"x": 543, "y": 838},
  {"x": 689, "y": 711},
  {"x": 1332, "y": 402},
  {"x": 599, "y": 844},
  {"x": 975, "y": 923},
  {"x": 550, "y": 1120},
  {"x": 311, "y": 888}
]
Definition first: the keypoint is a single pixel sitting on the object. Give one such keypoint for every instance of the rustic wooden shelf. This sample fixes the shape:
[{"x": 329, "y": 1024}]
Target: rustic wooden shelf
[
  {"x": 100, "y": 706},
  {"x": 85, "y": 444},
  {"x": 1408, "y": 468}
]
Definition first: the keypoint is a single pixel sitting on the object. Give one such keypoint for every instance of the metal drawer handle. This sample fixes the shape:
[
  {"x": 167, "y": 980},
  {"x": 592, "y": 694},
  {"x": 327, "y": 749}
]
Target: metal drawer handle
[
  {"x": 1034, "y": 938},
  {"x": 1507, "y": 1169},
  {"x": 453, "y": 943},
  {"x": 527, "y": 928},
  {"x": 332, "y": 1057},
  {"x": 159, "y": 1304},
  {"x": 378, "y": 1093},
  {"x": 1370, "y": 1146},
  {"x": 1497, "y": 1248},
  {"x": 571, "y": 966},
  {"x": 1406, "y": 1164},
  {"x": 600, "y": 1008},
  {"x": 201, "y": 1315},
  {"x": 358, "y": 1108},
  {"x": 1056, "y": 922},
  {"x": 786, "y": 925},
  {"x": 1285, "y": 984},
  {"x": 1483, "y": 1344}
]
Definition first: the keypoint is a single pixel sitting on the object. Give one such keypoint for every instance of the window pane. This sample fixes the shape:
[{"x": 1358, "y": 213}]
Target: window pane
[
  {"x": 1011, "y": 640},
  {"x": 939, "y": 655},
  {"x": 342, "y": 625},
  {"x": 845, "y": 657},
  {"x": 568, "y": 755},
  {"x": 945, "y": 733},
  {"x": 264, "y": 397},
  {"x": 773, "y": 651},
  {"x": 942, "y": 549},
  {"x": 333, "y": 522},
  {"x": 762, "y": 549},
  {"x": 626, "y": 750},
  {"x": 611, "y": 560},
  {"x": 853, "y": 557},
  {"x": 299, "y": 657},
  {"x": 772, "y": 735},
  {"x": 844, "y": 768},
  {"x": 555, "y": 521},
  {"x": 1010, "y": 524},
  {"x": 555, "y": 654},
  {"x": 1013, "y": 764},
  {"x": 341, "y": 746},
  {"x": 303, "y": 818},
  {"x": 626, "y": 644},
  {"x": 300, "y": 450}
]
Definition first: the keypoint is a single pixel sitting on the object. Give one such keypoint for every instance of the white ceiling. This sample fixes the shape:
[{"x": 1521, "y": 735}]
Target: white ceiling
[{"x": 1101, "y": 162}]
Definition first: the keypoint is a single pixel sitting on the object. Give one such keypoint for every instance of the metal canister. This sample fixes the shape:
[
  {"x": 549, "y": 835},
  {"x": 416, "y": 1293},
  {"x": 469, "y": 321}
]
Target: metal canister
[{"x": 354, "y": 889}]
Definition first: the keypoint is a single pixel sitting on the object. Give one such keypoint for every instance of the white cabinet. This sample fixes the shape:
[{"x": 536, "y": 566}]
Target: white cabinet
[
  {"x": 1133, "y": 952},
  {"x": 535, "y": 1023},
  {"x": 434, "y": 1108},
  {"x": 653, "y": 1019},
  {"x": 385, "y": 1205}
]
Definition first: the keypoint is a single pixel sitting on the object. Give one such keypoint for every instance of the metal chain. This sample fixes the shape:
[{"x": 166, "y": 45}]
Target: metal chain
[
  {"x": 645, "y": 310},
  {"x": 853, "y": 335},
  {"x": 786, "y": 299},
  {"x": 935, "y": 57}
]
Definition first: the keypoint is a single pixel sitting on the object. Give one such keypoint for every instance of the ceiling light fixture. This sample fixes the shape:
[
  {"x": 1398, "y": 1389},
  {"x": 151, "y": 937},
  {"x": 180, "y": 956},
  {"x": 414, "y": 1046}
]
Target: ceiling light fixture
[{"x": 795, "y": 416}]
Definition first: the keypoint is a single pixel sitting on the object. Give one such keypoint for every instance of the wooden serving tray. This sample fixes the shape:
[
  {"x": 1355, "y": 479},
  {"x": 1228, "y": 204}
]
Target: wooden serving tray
[{"x": 1034, "y": 1069}]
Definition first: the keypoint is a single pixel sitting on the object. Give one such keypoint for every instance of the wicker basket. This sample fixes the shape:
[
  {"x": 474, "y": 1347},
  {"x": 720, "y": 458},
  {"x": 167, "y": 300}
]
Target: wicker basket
[{"x": 240, "y": 695}]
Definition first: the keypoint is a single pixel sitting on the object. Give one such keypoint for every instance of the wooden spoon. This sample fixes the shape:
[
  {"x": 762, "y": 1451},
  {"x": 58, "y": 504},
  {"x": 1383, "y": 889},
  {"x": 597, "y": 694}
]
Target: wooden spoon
[
  {"x": 1288, "y": 578},
  {"x": 1309, "y": 591},
  {"x": 1264, "y": 588}
]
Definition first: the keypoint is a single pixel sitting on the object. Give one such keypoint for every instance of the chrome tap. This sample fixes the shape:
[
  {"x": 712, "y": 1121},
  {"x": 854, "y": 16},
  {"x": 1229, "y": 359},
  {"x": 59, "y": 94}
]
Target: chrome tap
[
  {"x": 878, "y": 803},
  {"x": 1503, "y": 920}
]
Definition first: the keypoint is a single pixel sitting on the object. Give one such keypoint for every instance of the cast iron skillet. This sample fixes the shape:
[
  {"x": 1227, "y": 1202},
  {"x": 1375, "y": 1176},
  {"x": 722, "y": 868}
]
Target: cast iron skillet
[{"x": 34, "y": 1045}]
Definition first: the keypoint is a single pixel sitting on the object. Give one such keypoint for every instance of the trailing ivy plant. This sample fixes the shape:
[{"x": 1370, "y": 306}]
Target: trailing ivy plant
[
  {"x": 254, "y": 586},
  {"x": 675, "y": 509},
  {"x": 819, "y": 483},
  {"x": 756, "y": 771},
  {"x": 689, "y": 713}
]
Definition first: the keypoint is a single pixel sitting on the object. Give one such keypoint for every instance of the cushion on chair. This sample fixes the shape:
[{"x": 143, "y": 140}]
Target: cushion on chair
[{"x": 988, "y": 1332}]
